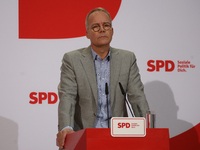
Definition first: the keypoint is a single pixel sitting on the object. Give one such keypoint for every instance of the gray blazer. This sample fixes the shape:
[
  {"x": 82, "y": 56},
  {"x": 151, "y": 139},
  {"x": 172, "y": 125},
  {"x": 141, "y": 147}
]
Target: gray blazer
[{"x": 78, "y": 88}]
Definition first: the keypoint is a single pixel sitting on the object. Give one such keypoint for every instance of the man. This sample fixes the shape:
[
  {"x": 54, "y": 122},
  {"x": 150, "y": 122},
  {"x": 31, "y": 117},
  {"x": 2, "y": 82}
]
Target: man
[{"x": 89, "y": 89}]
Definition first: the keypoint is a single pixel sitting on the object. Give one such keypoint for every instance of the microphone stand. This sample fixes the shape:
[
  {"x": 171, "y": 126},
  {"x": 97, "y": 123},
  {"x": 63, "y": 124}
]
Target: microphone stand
[
  {"x": 125, "y": 99},
  {"x": 106, "y": 91}
]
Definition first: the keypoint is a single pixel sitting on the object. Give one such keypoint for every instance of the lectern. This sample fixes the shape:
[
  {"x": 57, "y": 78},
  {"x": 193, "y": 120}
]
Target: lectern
[{"x": 101, "y": 139}]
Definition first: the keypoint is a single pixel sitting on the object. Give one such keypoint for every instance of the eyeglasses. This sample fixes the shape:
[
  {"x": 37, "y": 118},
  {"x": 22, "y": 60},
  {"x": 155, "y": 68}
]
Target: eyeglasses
[{"x": 106, "y": 26}]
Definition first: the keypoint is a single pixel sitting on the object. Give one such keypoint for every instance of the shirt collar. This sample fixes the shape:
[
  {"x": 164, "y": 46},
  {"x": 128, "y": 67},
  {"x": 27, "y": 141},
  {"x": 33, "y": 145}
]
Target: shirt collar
[{"x": 96, "y": 56}]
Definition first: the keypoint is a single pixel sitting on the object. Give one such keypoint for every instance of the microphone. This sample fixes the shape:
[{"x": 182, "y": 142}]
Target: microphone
[
  {"x": 106, "y": 89},
  {"x": 107, "y": 92},
  {"x": 125, "y": 99}
]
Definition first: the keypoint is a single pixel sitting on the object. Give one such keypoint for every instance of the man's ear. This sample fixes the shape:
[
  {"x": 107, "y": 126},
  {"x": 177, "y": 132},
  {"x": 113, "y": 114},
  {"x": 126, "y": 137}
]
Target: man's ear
[{"x": 112, "y": 31}]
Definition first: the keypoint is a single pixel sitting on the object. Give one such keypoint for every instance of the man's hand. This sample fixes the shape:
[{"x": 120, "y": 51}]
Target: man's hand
[{"x": 61, "y": 135}]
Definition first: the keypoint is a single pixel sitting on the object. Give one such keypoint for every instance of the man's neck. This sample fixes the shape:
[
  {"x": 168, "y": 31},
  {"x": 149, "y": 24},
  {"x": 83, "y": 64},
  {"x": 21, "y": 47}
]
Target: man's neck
[{"x": 101, "y": 51}]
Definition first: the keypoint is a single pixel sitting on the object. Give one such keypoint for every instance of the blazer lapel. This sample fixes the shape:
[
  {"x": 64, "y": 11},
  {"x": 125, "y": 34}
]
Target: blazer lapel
[
  {"x": 88, "y": 65},
  {"x": 115, "y": 67}
]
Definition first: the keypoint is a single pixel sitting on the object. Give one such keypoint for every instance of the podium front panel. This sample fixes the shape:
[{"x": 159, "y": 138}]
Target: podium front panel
[{"x": 101, "y": 139}]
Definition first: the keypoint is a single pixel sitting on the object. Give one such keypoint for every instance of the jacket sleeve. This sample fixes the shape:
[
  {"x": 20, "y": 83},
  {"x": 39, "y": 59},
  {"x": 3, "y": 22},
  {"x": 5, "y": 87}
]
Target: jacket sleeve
[
  {"x": 135, "y": 90},
  {"x": 67, "y": 91}
]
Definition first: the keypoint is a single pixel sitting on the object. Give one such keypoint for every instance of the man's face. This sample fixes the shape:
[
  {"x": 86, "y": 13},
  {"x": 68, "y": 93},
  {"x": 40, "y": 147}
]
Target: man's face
[{"x": 99, "y": 30}]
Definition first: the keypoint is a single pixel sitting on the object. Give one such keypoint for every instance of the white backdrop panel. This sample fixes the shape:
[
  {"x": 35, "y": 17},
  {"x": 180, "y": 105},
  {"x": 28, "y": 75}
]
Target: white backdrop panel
[{"x": 158, "y": 30}]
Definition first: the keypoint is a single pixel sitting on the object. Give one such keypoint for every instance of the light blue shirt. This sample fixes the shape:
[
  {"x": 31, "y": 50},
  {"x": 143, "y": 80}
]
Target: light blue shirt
[{"x": 102, "y": 68}]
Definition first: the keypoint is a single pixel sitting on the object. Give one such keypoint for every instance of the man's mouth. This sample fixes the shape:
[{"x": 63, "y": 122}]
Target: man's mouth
[{"x": 103, "y": 36}]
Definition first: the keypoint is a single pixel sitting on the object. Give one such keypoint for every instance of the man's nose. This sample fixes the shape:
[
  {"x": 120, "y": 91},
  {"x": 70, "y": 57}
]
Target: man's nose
[{"x": 102, "y": 28}]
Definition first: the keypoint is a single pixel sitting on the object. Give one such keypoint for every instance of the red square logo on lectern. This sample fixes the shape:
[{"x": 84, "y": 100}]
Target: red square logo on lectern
[{"x": 128, "y": 127}]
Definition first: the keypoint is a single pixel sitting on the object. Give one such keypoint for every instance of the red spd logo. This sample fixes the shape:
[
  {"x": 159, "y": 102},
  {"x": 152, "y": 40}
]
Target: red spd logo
[
  {"x": 127, "y": 125},
  {"x": 124, "y": 125},
  {"x": 41, "y": 97},
  {"x": 158, "y": 65}
]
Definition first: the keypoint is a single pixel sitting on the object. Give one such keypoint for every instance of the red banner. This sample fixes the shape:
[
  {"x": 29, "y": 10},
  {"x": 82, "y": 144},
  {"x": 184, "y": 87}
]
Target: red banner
[{"x": 52, "y": 19}]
